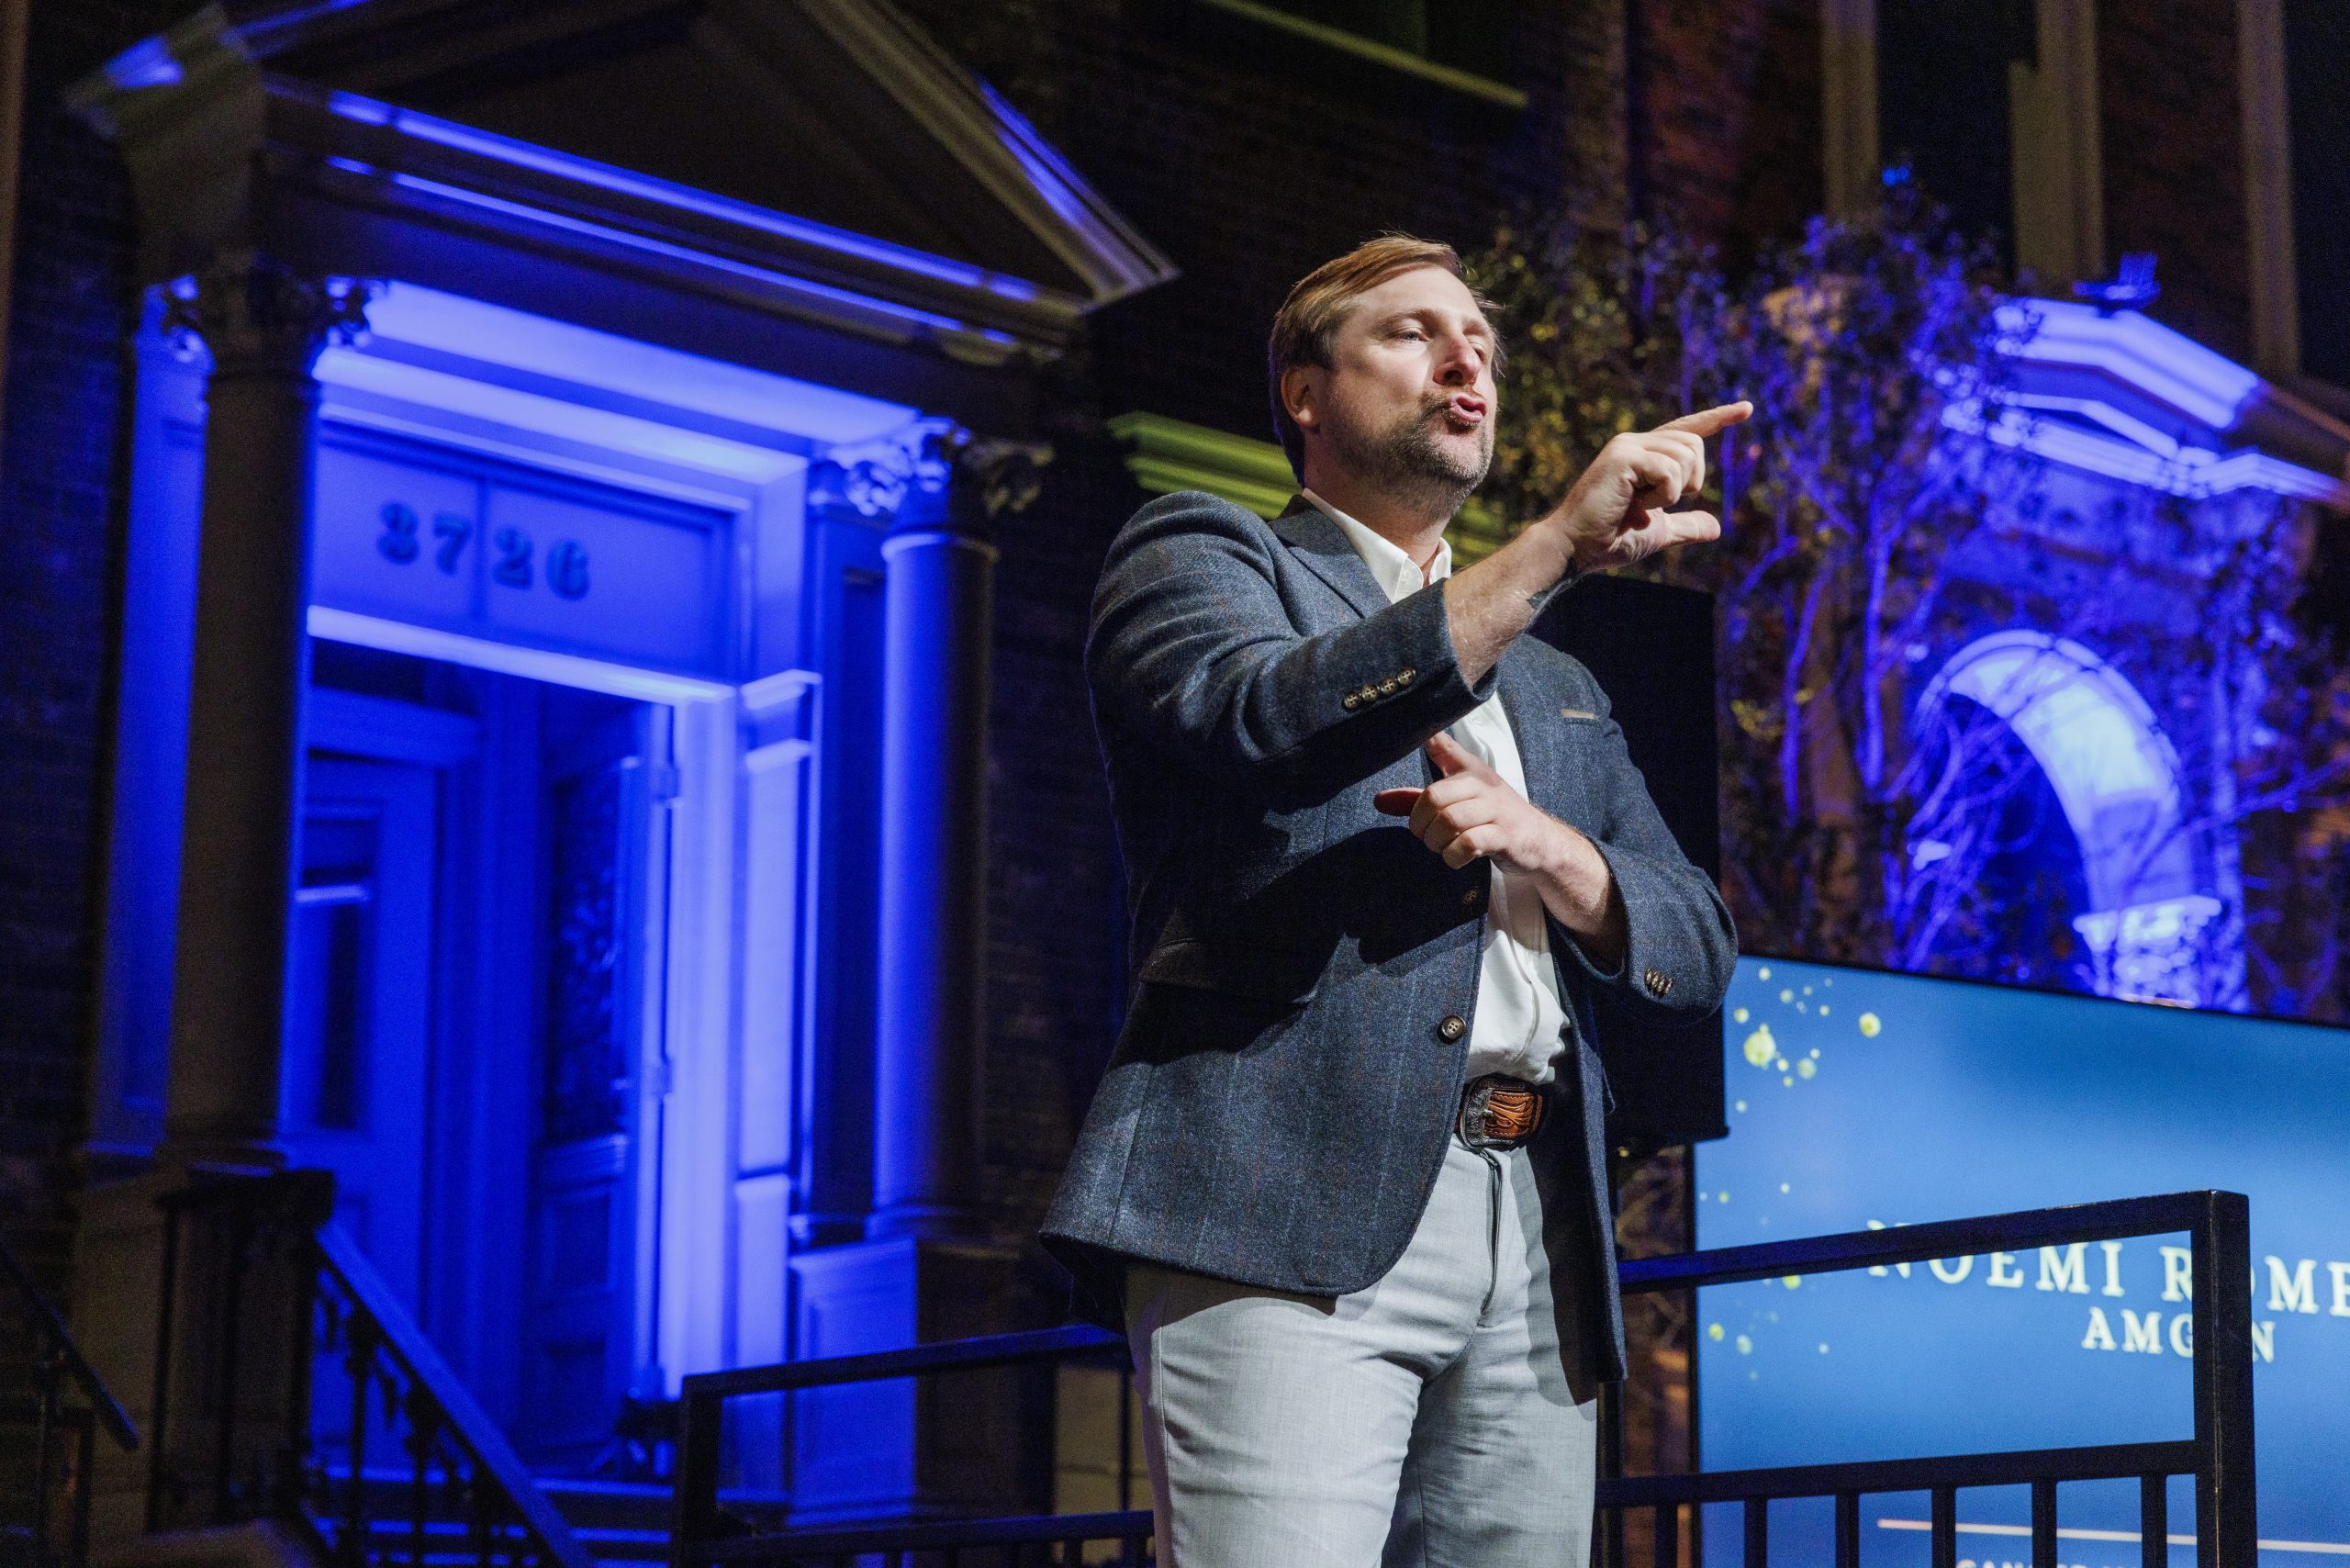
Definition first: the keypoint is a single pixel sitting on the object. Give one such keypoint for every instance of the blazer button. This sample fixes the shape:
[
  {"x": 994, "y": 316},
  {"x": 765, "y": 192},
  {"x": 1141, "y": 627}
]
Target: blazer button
[
  {"x": 1404, "y": 675},
  {"x": 1658, "y": 982},
  {"x": 1368, "y": 694},
  {"x": 1351, "y": 702},
  {"x": 1452, "y": 1028}
]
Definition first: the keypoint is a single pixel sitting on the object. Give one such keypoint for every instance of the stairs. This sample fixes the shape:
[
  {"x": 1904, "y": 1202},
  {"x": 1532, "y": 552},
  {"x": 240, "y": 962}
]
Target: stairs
[
  {"x": 617, "y": 1521},
  {"x": 622, "y": 1523}
]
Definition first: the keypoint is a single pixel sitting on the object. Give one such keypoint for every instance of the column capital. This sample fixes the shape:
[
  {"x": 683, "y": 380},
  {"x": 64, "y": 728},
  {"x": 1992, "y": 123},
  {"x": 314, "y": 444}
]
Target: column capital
[
  {"x": 258, "y": 316},
  {"x": 931, "y": 476},
  {"x": 876, "y": 478}
]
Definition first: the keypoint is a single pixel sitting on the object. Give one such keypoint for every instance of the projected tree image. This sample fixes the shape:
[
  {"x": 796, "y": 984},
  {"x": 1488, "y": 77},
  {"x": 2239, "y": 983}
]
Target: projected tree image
[{"x": 2009, "y": 675}]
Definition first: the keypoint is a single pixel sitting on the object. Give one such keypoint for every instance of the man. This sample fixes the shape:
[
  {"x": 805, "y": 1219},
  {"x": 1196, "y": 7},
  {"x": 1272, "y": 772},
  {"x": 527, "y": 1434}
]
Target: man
[{"x": 1345, "y": 1170}]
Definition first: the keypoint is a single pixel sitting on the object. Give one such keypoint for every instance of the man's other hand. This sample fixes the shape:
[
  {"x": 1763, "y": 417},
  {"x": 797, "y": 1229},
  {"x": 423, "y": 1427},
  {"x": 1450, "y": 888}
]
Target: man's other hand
[
  {"x": 1470, "y": 814},
  {"x": 1616, "y": 513}
]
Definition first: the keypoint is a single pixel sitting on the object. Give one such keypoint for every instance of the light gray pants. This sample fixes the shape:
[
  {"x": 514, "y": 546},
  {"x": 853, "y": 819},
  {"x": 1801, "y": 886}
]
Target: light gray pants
[{"x": 1427, "y": 1421}]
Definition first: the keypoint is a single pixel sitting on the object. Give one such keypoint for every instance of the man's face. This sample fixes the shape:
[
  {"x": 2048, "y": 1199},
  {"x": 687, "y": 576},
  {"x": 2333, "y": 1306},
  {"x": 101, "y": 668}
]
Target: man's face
[{"x": 1407, "y": 401}]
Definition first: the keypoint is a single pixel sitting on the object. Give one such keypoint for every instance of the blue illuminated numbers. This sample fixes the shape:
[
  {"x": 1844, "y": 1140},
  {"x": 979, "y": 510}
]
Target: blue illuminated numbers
[
  {"x": 397, "y": 542},
  {"x": 513, "y": 567},
  {"x": 401, "y": 543},
  {"x": 567, "y": 569},
  {"x": 453, "y": 531}
]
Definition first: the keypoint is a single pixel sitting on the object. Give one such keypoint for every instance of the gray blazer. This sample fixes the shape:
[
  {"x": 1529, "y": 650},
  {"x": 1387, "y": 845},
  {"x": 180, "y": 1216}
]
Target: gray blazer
[{"x": 1279, "y": 1103}]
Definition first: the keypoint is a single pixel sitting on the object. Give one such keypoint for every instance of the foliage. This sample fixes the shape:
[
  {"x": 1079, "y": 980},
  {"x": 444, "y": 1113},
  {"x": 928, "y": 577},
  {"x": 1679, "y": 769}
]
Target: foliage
[
  {"x": 1844, "y": 503},
  {"x": 1877, "y": 512}
]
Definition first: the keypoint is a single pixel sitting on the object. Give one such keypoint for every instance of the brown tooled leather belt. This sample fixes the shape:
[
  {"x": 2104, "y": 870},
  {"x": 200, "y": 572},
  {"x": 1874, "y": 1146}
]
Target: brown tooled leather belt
[{"x": 1498, "y": 1112}]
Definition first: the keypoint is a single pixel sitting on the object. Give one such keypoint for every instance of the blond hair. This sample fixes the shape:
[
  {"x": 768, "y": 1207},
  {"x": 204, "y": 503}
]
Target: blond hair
[{"x": 1309, "y": 318}]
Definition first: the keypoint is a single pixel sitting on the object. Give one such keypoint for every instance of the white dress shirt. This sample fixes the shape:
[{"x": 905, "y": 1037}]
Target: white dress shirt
[{"x": 1520, "y": 1022}]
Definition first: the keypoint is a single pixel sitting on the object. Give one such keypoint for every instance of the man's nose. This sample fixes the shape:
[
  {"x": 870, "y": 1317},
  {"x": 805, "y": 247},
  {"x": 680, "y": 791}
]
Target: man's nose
[{"x": 1457, "y": 367}]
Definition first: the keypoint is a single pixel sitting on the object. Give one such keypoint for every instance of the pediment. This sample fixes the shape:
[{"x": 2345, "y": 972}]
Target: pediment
[
  {"x": 829, "y": 141},
  {"x": 2118, "y": 393}
]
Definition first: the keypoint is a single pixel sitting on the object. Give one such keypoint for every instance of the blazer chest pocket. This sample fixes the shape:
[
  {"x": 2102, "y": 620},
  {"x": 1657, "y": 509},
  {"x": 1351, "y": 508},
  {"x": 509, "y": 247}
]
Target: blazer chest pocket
[{"x": 1261, "y": 972}]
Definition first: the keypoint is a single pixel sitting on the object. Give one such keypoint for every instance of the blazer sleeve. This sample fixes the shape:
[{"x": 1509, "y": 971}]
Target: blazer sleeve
[
  {"x": 1194, "y": 651},
  {"x": 1676, "y": 926}
]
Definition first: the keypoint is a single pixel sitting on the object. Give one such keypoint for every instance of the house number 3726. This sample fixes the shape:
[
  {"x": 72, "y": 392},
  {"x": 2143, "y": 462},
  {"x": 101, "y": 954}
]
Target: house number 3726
[{"x": 404, "y": 540}]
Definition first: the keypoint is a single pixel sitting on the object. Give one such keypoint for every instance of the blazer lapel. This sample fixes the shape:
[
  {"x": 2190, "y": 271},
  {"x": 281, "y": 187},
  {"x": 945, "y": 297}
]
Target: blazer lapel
[
  {"x": 1523, "y": 702},
  {"x": 1319, "y": 543}
]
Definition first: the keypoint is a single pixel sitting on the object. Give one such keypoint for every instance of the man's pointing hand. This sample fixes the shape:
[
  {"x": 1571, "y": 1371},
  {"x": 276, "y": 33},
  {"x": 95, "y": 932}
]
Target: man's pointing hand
[{"x": 1616, "y": 513}]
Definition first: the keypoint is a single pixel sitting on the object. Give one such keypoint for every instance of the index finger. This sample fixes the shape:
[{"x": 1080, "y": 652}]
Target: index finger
[{"x": 1709, "y": 422}]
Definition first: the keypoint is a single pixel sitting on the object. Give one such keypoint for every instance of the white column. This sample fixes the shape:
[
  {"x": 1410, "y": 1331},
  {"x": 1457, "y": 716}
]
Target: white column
[
  {"x": 263, "y": 326},
  {"x": 930, "y": 1020}
]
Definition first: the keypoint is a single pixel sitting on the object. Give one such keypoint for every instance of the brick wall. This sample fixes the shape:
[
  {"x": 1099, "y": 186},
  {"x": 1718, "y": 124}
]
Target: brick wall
[
  {"x": 61, "y": 517},
  {"x": 1728, "y": 116},
  {"x": 2173, "y": 159},
  {"x": 1250, "y": 159}
]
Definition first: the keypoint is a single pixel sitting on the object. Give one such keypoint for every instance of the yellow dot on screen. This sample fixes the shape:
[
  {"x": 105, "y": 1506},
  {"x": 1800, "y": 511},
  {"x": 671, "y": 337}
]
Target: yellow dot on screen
[
  {"x": 1789, "y": 1080},
  {"x": 1782, "y": 1187},
  {"x": 1760, "y": 1047},
  {"x": 1791, "y": 1281},
  {"x": 1823, "y": 1347},
  {"x": 1741, "y": 1104},
  {"x": 1806, "y": 1068},
  {"x": 1869, "y": 1024},
  {"x": 1786, "y": 995},
  {"x": 1721, "y": 1197},
  {"x": 1823, "y": 1009},
  {"x": 1762, "y": 973},
  {"x": 1714, "y": 1331},
  {"x": 1745, "y": 1346},
  {"x": 1740, "y": 1015}
]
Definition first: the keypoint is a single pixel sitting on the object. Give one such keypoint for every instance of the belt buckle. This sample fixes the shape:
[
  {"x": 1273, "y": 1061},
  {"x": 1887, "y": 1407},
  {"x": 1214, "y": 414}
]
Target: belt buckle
[{"x": 1474, "y": 1122}]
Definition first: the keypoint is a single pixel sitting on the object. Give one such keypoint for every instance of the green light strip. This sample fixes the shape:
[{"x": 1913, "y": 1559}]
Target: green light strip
[{"x": 1166, "y": 455}]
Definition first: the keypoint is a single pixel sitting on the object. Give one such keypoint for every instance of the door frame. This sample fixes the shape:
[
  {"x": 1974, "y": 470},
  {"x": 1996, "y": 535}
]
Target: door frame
[{"x": 703, "y": 1283}]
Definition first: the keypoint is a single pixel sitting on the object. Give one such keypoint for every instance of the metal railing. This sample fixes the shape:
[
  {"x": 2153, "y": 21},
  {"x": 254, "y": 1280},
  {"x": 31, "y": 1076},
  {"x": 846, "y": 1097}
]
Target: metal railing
[
  {"x": 67, "y": 1408},
  {"x": 2219, "y": 1455},
  {"x": 304, "y": 1362}
]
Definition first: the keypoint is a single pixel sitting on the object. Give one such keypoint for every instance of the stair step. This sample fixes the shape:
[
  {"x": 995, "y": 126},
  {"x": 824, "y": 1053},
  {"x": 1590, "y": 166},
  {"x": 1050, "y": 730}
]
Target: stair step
[{"x": 616, "y": 1521}]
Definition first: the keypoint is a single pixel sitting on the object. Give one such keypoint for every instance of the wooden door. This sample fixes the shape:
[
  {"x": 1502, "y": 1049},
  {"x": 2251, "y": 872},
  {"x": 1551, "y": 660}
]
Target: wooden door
[{"x": 358, "y": 980}]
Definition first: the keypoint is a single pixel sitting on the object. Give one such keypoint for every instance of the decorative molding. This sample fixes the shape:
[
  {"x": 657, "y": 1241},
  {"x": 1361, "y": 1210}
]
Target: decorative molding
[
  {"x": 258, "y": 316},
  {"x": 1166, "y": 455},
  {"x": 992, "y": 143},
  {"x": 1003, "y": 478},
  {"x": 973, "y": 481},
  {"x": 872, "y": 479},
  {"x": 198, "y": 102},
  {"x": 2171, "y": 415}
]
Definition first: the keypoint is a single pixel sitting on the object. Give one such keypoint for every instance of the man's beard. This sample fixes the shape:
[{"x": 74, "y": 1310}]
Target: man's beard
[{"x": 1410, "y": 463}]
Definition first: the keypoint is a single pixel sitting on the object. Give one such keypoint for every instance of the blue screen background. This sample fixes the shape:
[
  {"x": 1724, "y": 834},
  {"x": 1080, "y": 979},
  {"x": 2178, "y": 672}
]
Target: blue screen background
[{"x": 1858, "y": 1098}]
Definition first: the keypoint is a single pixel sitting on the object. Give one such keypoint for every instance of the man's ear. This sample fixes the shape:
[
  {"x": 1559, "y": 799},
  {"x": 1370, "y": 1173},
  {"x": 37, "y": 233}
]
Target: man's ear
[{"x": 1301, "y": 395}]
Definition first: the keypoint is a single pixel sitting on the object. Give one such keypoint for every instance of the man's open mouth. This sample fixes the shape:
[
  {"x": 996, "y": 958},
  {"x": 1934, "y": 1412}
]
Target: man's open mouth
[{"x": 1463, "y": 409}]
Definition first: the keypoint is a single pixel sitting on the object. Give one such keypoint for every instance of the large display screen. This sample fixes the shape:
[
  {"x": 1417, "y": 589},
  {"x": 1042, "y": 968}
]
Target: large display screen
[{"x": 1859, "y": 1099}]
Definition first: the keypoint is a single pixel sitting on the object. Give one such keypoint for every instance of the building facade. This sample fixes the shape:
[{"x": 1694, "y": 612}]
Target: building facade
[{"x": 550, "y": 546}]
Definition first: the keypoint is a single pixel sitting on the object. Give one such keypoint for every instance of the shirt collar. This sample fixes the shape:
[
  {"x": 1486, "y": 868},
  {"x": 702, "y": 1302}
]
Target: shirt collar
[{"x": 1393, "y": 569}]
